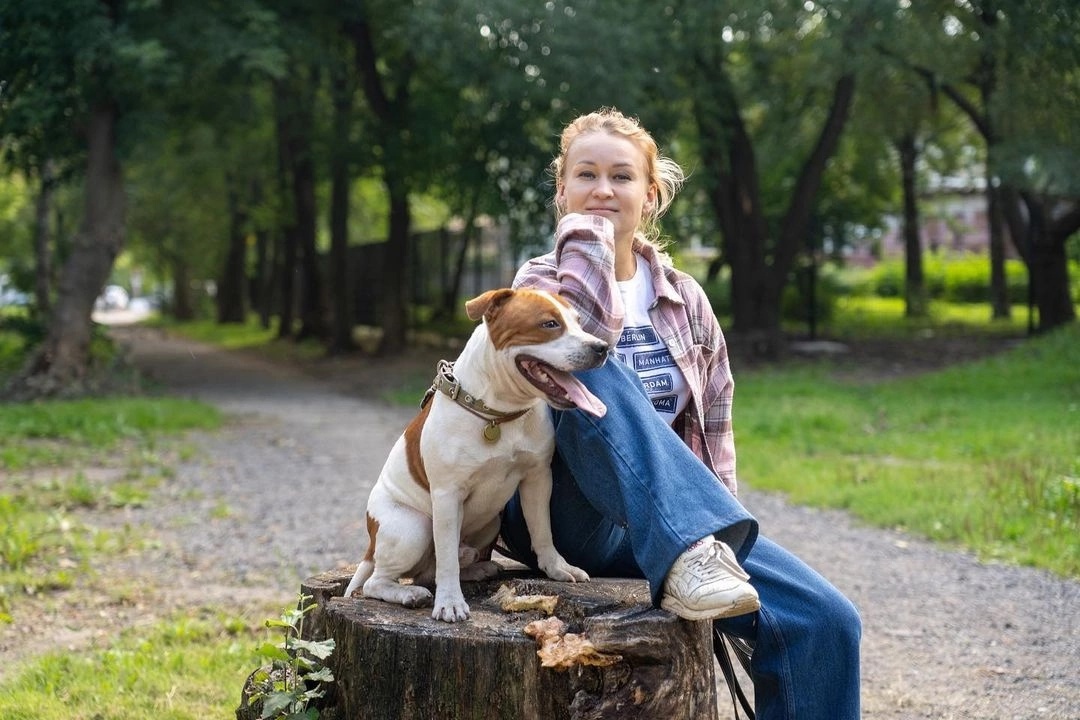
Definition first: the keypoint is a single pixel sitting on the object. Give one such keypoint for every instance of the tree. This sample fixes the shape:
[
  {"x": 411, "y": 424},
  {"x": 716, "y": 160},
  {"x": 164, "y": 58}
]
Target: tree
[
  {"x": 1014, "y": 69},
  {"x": 779, "y": 77},
  {"x": 67, "y": 59}
]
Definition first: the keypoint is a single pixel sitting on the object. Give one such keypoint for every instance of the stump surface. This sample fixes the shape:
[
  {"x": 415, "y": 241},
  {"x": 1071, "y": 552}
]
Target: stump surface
[{"x": 396, "y": 663}]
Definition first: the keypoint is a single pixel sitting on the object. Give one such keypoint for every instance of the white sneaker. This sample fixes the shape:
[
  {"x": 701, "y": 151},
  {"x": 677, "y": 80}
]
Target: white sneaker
[{"x": 706, "y": 583}]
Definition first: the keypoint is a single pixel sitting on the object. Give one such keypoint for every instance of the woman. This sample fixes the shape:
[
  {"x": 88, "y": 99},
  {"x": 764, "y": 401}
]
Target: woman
[{"x": 649, "y": 490}]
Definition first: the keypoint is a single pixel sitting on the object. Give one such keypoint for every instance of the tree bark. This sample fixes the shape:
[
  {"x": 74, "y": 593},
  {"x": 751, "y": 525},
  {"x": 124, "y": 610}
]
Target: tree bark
[
  {"x": 341, "y": 339},
  {"x": 232, "y": 282},
  {"x": 43, "y": 245},
  {"x": 61, "y": 365},
  {"x": 915, "y": 305},
  {"x": 395, "y": 663},
  {"x": 390, "y": 104}
]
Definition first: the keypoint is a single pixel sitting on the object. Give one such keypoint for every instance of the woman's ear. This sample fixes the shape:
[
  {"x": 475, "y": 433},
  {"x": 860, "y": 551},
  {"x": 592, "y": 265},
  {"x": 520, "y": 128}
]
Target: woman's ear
[{"x": 649, "y": 206}]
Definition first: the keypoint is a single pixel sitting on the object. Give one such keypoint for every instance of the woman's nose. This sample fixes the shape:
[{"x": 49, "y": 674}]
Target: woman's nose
[{"x": 602, "y": 188}]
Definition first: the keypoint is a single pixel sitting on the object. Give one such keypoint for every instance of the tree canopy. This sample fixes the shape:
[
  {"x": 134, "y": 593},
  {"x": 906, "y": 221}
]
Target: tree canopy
[{"x": 247, "y": 146}]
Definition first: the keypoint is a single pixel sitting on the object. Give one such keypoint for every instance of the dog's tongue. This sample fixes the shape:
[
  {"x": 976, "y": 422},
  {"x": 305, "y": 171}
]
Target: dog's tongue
[{"x": 580, "y": 395}]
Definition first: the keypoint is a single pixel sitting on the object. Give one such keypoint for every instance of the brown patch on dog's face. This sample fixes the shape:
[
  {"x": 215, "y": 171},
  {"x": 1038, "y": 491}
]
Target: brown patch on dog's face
[
  {"x": 412, "y": 448},
  {"x": 373, "y": 533},
  {"x": 526, "y": 318}
]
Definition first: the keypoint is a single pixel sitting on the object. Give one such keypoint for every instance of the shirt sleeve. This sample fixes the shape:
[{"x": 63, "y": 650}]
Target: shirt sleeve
[{"x": 582, "y": 270}]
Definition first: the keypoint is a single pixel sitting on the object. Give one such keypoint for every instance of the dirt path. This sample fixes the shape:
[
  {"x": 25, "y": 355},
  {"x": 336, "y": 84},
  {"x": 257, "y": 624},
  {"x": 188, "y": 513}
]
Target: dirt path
[{"x": 278, "y": 495}]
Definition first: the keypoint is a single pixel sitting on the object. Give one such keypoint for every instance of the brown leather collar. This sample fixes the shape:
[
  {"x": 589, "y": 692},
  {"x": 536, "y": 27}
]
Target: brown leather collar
[{"x": 446, "y": 383}]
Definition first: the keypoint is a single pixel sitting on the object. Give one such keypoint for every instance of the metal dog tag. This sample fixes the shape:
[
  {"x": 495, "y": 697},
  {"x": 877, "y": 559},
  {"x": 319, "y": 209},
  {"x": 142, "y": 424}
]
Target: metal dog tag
[{"x": 492, "y": 432}]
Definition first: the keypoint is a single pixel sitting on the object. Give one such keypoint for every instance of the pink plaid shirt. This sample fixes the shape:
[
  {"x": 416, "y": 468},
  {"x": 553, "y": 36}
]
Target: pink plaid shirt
[{"x": 581, "y": 268}]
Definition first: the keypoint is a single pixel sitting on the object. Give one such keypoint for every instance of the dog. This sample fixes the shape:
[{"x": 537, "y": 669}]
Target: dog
[{"x": 435, "y": 509}]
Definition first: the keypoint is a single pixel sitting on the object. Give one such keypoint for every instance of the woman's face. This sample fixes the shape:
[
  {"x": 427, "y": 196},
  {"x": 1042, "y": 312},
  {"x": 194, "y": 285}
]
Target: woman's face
[{"x": 606, "y": 175}]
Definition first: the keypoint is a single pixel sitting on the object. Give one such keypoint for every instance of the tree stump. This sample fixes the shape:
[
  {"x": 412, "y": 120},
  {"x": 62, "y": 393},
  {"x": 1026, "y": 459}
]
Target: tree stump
[{"x": 394, "y": 663}]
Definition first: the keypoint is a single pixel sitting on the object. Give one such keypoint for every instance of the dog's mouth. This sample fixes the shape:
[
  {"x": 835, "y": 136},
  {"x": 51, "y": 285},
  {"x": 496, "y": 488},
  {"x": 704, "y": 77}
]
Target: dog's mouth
[{"x": 563, "y": 390}]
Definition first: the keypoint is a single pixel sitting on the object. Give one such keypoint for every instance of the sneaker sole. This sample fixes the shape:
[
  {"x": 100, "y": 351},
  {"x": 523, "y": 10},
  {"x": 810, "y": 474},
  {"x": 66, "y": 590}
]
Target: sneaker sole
[{"x": 742, "y": 606}]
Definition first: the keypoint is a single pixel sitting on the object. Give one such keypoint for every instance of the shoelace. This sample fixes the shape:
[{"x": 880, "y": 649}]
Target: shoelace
[{"x": 714, "y": 563}]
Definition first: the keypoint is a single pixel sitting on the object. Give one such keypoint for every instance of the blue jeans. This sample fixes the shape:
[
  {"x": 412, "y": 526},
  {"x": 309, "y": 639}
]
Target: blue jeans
[{"x": 629, "y": 497}]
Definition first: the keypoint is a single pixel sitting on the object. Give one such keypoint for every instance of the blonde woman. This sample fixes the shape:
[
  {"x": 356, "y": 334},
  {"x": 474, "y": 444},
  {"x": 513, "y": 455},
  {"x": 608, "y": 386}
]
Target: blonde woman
[{"x": 649, "y": 490}]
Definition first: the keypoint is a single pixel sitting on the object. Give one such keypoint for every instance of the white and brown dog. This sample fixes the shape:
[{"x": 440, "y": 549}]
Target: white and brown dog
[{"x": 438, "y": 498}]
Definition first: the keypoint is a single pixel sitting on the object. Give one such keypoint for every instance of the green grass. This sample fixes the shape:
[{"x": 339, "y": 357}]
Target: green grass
[
  {"x": 877, "y": 317},
  {"x": 187, "y": 668},
  {"x": 44, "y": 449},
  {"x": 983, "y": 455}
]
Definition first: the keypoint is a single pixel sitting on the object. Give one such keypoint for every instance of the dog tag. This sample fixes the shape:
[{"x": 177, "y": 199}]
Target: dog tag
[{"x": 492, "y": 432}]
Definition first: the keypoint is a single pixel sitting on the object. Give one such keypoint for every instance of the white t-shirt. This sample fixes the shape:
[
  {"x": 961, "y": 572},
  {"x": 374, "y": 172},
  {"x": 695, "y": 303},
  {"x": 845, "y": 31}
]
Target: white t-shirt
[{"x": 641, "y": 348}]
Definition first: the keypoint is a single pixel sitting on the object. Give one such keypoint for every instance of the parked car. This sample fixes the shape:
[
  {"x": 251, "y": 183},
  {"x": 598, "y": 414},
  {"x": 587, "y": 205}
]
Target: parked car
[{"x": 113, "y": 297}]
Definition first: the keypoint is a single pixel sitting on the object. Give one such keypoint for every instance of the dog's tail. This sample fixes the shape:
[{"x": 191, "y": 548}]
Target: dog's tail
[{"x": 363, "y": 572}]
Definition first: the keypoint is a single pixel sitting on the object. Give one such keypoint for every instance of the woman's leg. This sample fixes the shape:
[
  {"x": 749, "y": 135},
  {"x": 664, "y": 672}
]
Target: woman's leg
[
  {"x": 806, "y": 640},
  {"x": 636, "y": 482}
]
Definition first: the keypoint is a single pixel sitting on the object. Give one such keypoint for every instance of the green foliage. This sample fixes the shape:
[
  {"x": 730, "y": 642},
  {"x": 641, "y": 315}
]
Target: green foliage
[
  {"x": 981, "y": 455},
  {"x": 184, "y": 668},
  {"x": 296, "y": 675}
]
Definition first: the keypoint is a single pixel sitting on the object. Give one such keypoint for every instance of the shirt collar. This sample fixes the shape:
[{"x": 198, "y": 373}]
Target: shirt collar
[{"x": 657, "y": 263}]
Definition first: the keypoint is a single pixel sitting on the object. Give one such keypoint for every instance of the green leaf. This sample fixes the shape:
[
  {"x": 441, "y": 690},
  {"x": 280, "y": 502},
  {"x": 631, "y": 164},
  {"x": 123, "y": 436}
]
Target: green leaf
[
  {"x": 277, "y": 703},
  {"x": 273, "y": 652},
  {"x": 320, "y": 649},
  {"x": 322, "y": 675}
]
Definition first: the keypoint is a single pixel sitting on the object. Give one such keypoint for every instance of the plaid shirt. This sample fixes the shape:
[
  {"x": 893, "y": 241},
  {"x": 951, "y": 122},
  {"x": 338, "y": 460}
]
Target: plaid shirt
[{"x": 581, "y": 268}]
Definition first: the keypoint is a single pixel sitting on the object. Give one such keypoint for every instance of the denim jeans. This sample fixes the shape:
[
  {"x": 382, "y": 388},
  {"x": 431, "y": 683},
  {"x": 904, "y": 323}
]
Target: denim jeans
[{"x": 628, "y": 497}]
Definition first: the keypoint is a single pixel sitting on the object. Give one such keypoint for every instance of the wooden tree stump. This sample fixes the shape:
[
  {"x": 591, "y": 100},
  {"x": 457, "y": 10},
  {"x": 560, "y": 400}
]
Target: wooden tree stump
[{"x": 393, "y": 663}]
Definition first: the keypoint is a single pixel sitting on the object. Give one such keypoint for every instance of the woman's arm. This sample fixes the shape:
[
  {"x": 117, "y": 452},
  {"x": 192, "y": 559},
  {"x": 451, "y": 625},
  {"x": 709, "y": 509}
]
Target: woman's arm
[{"x": 581, "y": 269}]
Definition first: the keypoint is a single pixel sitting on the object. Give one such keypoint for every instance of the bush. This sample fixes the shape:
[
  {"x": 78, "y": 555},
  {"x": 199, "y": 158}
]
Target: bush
[{"x": 958, "y": 279}]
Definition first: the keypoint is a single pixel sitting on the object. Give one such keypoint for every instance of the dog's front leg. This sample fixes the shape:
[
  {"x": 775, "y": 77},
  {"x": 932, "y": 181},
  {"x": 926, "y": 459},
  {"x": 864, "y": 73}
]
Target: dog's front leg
[
  {"x": 535, "y": 491},
  {"x": 446, "y": 512}
]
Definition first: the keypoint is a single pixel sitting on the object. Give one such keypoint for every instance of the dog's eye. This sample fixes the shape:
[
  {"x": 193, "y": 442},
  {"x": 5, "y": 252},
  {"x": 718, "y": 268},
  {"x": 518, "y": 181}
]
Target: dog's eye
[{"x": 550, "y": 325}]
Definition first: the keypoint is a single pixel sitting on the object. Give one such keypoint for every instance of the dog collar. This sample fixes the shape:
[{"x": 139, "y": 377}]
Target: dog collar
[{"x": 446, "y": 383}]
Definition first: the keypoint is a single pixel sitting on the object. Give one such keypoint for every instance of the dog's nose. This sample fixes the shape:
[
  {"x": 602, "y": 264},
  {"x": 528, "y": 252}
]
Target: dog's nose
[{"x": 599, "y": 347}]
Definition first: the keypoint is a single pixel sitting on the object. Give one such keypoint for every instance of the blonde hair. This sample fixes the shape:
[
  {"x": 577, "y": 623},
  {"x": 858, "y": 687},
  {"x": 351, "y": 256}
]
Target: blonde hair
[{"x": 662, "y": 172}]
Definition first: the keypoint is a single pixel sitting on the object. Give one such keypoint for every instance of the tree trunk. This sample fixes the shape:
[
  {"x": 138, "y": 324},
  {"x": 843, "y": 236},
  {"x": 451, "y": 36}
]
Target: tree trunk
[
  {"x": 312, "y": 305},
  {"x": 287, "y": 221},
  {"x": 232, "y": 283},
  {"x": 1000, "y": 308},
  {"x": 388, "y": 99},
  {"x": 394, "y": 299},
  {"x": 915, "y": 305},
  {"x": 341, "y": 339},
  {"x": 394, "y": 663},
  {"x": 760, "y": 267},
  {"x": 61, "y": 365},
  {"x": 43, "y": 245},
  {"x": 1039, "y": 237},
  {"x": 183, "y": 305}
]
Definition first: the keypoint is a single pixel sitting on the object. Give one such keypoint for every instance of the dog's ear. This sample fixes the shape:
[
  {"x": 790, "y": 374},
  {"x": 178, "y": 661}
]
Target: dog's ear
[{"x": 485, "y": 304}]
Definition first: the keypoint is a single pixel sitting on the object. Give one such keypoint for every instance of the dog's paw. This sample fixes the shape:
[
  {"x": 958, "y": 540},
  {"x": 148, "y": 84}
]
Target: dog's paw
[
  {"x": 421, "y": 597},
  {"x": 480, "y": 571},
  {"x": 556, "y": 568},
  {"x": 411, "y": 596},
  {"x": 467, "y": 555},
  {"x": 450, "y": 610}
]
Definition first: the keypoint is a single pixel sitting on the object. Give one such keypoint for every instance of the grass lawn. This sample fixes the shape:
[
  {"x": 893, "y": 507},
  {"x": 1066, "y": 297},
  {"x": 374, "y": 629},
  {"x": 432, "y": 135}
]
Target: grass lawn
[
  {"x": 984, "y": 455},
  {"x": 187, "y": 668}
]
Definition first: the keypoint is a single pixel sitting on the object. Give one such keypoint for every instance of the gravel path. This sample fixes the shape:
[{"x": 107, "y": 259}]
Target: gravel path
[{"x": 278, "y": 495}]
